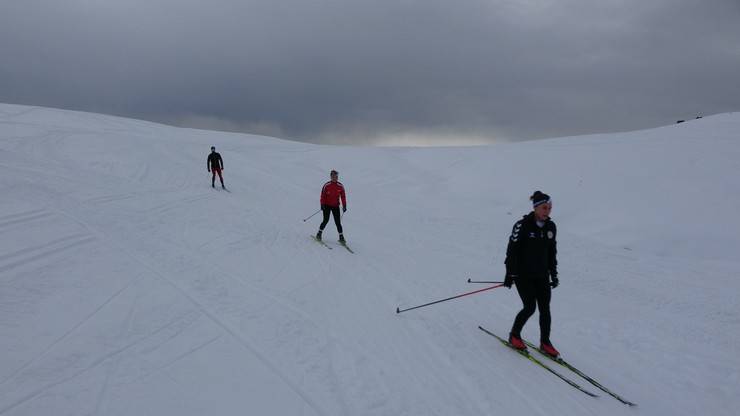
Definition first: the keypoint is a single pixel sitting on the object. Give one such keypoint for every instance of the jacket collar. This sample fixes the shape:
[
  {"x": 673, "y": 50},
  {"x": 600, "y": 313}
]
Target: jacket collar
[{"x": 530, "y": 218}]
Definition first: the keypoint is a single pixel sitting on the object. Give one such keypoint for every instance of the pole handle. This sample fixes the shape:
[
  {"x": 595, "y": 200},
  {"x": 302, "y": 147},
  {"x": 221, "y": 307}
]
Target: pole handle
[{"x": 483, "y": 281}]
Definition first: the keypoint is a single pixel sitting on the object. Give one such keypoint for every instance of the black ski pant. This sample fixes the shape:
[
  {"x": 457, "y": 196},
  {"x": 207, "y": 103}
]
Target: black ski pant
[
  {"x": 535, "y": 293},
  {"x": 326, "y": 210},
  {"x": 220, "y": 176}
]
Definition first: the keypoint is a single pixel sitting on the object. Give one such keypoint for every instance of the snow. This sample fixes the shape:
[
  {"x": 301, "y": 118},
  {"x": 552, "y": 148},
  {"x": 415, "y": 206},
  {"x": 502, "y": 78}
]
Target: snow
[{"x": 129, "y": 287}]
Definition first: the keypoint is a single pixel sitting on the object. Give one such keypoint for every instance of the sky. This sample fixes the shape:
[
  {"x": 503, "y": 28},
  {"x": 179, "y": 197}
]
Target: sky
[{"x": 378, "y": 72}]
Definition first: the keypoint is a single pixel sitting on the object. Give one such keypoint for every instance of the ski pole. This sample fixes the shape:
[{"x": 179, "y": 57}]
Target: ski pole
[
  {"x": 481, "y": 281},
  {"x": 399, "y": 310},
  {"x": 306, "y": 219}
]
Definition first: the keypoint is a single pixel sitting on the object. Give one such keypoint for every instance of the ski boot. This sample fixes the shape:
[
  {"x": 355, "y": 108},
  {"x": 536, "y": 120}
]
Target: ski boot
[
  {"x": 341, "y": 239},
  {"x": 318, "y": 235},
  {"x": 516, "y": 342},
  {"x": 547, "y": 348}
]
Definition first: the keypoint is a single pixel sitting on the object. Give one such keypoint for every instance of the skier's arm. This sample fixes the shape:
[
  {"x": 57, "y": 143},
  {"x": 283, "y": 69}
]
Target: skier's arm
[
  {"x": 512, "y": 250},
  {"x": 221, "y": 161},
  {"x": 208, "y": 163},
  {"x": 344, "y": 198},
  {"x": 553, "y": 257}
]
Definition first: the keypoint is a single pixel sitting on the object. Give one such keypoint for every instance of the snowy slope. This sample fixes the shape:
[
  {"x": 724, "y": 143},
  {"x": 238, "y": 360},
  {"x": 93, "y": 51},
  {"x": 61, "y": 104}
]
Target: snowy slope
[{"x": 129, "y": 287}]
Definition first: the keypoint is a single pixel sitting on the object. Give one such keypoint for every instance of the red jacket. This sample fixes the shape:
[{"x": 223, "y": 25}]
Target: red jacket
[{"x": 331, "y": 192}]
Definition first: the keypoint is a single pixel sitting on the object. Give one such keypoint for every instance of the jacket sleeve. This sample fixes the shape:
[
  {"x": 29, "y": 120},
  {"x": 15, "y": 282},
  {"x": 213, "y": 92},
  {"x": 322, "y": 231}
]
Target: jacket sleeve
[
  {"x": 208, "y": 162},
  {"x": 513, "y": 249},
  {"x": 553, "y": 257},
  {"x": 344, "y": 198},
  {"x": 221, "y": 161}
]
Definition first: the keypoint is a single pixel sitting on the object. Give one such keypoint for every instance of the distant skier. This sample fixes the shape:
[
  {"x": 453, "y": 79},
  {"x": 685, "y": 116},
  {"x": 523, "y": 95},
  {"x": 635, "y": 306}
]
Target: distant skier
[
  {"x": 215, "y": 165},
  {"x": 331, "y": 193},
  {"x": 531, "y": 264}
]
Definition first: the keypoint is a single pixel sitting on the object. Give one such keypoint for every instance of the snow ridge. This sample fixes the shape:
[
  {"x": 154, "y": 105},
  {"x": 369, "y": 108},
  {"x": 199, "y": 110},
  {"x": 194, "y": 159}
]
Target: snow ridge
[{"x": 129, "y": 286}]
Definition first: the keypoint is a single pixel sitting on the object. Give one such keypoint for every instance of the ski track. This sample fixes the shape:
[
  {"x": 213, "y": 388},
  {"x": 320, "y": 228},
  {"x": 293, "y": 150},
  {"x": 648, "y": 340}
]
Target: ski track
[
  {"x": 23, "y": 218},
  {"x": 114, "y": 366},
  {"x": 111, "y": 198},
  {"x": 77, "y": 374},
  {"x": 178, "y": 358},
  {"x": 79, "y": 237},
  {"x": 66, "y": 334},
  {"x": 241, "y": 340},
  {"x": 43, "y": 254},
  {"x": 211, "y": 315}
]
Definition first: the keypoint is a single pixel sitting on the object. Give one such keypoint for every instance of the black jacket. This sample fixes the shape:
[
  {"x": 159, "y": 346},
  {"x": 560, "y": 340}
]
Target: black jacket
[
  {"x": 532, "y": 251},
  {"x": 215, "y": 161}
]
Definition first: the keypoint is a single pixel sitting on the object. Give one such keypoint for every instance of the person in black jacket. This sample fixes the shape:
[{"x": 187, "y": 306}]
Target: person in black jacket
[
  {"x": 215, "y": 164},
  {"x": 531, "y": 264}
]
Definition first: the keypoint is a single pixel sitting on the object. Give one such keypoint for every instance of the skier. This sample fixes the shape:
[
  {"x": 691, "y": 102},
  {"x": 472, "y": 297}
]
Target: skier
[
  {"x": 531, "y": 264},
  {"x": 331, "y": 192},
  {"x": 215, "y": 164}
]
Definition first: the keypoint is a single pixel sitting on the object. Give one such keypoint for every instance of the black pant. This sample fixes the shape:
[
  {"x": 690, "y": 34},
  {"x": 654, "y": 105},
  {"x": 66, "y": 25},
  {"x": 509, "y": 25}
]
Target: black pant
[
  {"x": 326, "y": 209},
  {"x": 535, "y": 293}
]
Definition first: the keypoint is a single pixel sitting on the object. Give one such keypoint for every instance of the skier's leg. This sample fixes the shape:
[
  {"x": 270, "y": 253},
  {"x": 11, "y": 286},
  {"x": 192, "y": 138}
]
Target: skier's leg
[
  {"x": 213, "y": 177},
  {"x": 221, "y": 177},
  {"x": 337, "y": 218},
  {"x": 325, "y": 211},
  {"x": 338, "y": 221},
  {"x": 529, "y": 300},
  {"x": 543, "y": 304}
]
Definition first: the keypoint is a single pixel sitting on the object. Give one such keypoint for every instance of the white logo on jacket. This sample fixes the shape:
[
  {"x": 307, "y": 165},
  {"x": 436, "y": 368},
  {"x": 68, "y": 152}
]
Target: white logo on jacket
[{"x": 515, "y": 233}]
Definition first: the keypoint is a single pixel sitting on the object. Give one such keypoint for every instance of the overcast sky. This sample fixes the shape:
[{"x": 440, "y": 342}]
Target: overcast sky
[{"x": 378, "y": 71}]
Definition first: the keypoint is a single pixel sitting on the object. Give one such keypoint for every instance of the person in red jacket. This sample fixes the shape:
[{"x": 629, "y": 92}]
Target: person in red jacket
[{"x": 331, "y": 193}]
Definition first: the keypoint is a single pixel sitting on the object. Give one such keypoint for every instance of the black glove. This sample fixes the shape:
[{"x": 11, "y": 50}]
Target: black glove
[
  {"x": 554, "y": 281},
  {"x": 509, "y": 280},
  {"x": 344, "y": 209}
]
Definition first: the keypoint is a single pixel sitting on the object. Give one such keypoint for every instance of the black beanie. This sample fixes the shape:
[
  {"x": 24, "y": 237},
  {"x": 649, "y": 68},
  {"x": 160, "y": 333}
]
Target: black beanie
[{"x": 539, "y": 198}]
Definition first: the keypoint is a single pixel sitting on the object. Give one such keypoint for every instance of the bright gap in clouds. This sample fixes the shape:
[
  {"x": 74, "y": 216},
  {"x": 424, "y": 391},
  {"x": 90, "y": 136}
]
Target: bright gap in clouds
[
  {"x": 405, "y": 136},
  {"x": 431, "y": 140}
]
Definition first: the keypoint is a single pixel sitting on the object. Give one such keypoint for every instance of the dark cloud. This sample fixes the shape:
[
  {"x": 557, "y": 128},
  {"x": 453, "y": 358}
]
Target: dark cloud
[{"x": 377, "y": 71}]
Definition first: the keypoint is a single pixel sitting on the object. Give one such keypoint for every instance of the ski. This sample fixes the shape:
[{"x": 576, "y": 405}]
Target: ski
[
  {"x": 346, "y": 246},
  {"x": 321, "y": 242},
  {"x": 526, "y": 354},
  {"x": 596, "y": 384}
]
